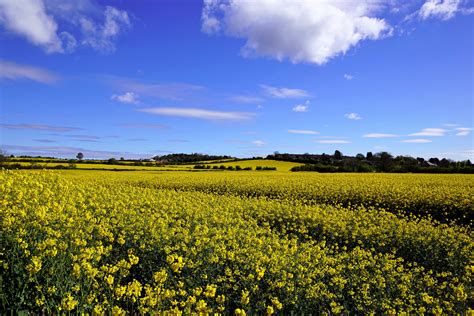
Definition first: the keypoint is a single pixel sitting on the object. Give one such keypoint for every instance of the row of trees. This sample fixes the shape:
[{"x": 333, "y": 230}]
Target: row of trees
[
  {"x": 370, "y": 162},
  {"x": 233, "y": 168}
]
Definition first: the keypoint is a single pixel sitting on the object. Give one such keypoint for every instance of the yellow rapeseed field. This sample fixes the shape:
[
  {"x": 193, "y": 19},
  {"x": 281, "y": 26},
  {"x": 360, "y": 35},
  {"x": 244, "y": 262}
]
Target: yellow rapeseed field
[{"x": 102, "y": 242}]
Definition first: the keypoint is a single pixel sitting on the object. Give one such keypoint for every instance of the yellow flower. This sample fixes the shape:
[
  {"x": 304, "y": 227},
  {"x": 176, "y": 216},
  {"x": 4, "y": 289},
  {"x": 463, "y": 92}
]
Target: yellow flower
[
  {"x": 210, "y": 291},
  {"x": 35, "y": 265},
  {"x": 269, "y": 310},
  {"x": 109, "y": 279},
  {"x": 68, "y": 303}
]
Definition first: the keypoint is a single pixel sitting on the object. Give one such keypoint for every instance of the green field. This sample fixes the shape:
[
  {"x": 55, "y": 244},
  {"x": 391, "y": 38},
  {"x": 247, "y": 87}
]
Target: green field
[{"x": 253, "y": 163}]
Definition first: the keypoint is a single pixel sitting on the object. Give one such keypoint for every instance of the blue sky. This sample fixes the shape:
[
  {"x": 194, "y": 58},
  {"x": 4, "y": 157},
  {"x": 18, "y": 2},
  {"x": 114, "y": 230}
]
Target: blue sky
[{"x": 136, "y": 79}]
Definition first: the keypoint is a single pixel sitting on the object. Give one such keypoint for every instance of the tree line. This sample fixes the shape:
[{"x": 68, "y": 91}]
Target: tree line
[{"x": 370, "y": 162}]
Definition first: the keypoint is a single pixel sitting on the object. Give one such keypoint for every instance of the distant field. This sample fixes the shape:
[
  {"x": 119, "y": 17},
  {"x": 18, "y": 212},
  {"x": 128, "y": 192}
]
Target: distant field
[
  {"x": 112, "y": 167},
  {"x": 280, "y": 165}
]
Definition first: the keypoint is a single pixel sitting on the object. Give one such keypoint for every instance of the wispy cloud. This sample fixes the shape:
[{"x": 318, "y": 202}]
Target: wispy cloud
[
  {"x": 416, "y": 141},
  {"x": 85, "y": 138},
  {"x": 284, "y": 93},
  {"x": 353, "y": 116},
  {"x": 302, "y": 131},
  {"x": 430, "y": 132},
  {"x": 450, "y": 124},
  {"x": 199, "y": 113},
  {"x": 127, "y": 97},
  {"x": 379, "y": 135},
  {"x": 301, "y": 107},
  {"x": 258, "y": 143},
  {"x": 40, "y": 127},
  {"x": 463, "y": 131},
  {"x": 92, "y": 24},
  {"x": 443, "y": 9},
  {"x": 348, "y": 77},
  {"x": 13, "y": 71},
  {"x": 150, "y": 126},
  {"x": 332, "y": 141},
  {"x": 46, "y": 141},
  {"x": 250, "y": 99},
  {"x": 178, "y": 140},
  {"x": 166, "y": 91},
  {"x": 64, "y": 151}
]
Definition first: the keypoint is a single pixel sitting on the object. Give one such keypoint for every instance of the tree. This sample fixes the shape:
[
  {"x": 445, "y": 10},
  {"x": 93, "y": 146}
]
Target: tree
[
  {"x": 385, "y": 160},
  {"x": 337, "y": 155},
  {"x": 3, "y": 157},
  {"x": 360, "y": 157},
  {"x": 80, "y": 156},
  {"x": 369, "y": 155}
]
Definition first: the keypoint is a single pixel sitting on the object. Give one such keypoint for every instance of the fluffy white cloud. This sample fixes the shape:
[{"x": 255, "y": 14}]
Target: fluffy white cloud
[
  {"x": 379, "y": 135},
  {"x": 302, "y": 131},
  {"x": 301, "y": 107},
  {"x": 442, "y": 9},
  {"x": 353, "y": 116},
  {"x": 284, "y": 93},
  {"x": 14, "y": 71},
  {"x": 416, "y": 141},
  {"x": 431, "y": 132},
  {"x": 38, "y": 22},
  {"x": 199, "y": 113},
  {"x": 332, "y": 141},
  {"x": 29, "y": 19},
  {"x": 127, "y": 97},
  {"x": 463, "y": 131},
  {"x": 301, "y": 31},
  {"x": 348, "y": 77}
]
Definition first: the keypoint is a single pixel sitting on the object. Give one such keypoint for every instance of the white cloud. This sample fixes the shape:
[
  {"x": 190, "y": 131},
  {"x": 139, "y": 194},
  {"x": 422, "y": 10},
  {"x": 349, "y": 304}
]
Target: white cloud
[
  {"x": 301, "y": 107},
  {"x": 302, "y": 131},
  {"x": 443, "y": 9},
  {"x": 463, "y": 131},
  {"x": 259, "y": 143},
  {"x": 284, "y": 93},
  {"x": 199, "y": 113},
  {"x": 416, "y": 141},
  {"x": 247, "y": 99},
  {"x": 14, "y": 71},
  {"x": 127, "y": 97},
  {"x": 353, "y": 116},
  {"x": 332, "y": 141},
  {"x": 431, "y": 132},
  {"x": 28, "y": 18},
  {"x": 301, "y": 31},
  {"x": 450, "y": 124},
  {"x": 101, "y": 37},
  {"x": 37, "y": 21},
  {"x": 348, "y": 77},
  {"x": 379, "y": 135}
]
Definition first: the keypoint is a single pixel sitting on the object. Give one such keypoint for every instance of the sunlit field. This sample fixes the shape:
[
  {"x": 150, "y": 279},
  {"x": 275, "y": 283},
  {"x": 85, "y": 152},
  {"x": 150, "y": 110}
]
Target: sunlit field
[{"x": 254, "y": 242}]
